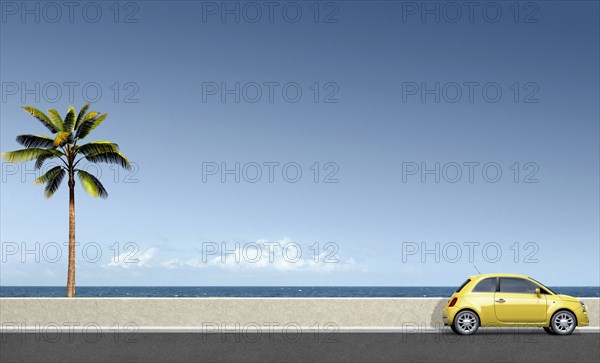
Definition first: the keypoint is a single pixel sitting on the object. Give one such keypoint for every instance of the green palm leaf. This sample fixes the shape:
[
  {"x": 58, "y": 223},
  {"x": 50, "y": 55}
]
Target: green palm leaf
[
  {"x": 87, "y": 126},
  {"x": 89, "y": 116},
  {"x": 56, "y": 119},
  {"x": 61, "y": 139},
  {"x": 110, "y": 158},
  {"x": 70, "y": 120},
  {"x": 31, "y": 141},
  {"x": 19, "y": 156},
  {"x": 50, "y": 174},
  {"x": 43, "y": 118},
  {"x": 81, "y": 115},
  {"x": 51, "y": 154},
  {"x": 91, "y": 184},
  {"x": 98, "y": 147},
  {"x": 53, "y": 183}
]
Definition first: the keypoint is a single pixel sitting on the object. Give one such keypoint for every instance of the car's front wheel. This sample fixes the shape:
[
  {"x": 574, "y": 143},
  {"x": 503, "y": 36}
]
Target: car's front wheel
[
  {"x": 466, "y": 322},
  {"x": 549, "y": 330},
  {"x": 563, "y": 322}
]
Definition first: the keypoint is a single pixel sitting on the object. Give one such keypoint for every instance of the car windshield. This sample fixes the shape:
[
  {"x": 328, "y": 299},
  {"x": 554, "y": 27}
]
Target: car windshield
[{"x": 544, "y": 286}]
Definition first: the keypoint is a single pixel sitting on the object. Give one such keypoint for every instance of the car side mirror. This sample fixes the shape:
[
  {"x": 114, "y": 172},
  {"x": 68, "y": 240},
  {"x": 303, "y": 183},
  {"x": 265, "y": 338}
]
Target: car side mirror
[{"x": 538, "y": 292}]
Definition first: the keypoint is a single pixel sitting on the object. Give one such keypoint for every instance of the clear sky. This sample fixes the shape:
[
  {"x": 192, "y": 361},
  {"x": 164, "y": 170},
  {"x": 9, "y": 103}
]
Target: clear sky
[{"x": 517, "y": 91}]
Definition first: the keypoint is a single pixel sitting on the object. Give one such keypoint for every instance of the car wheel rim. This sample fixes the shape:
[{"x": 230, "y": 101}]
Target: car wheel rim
[
  {"x": 563, "y": 322},
  {"x": 466, "y": 322}
]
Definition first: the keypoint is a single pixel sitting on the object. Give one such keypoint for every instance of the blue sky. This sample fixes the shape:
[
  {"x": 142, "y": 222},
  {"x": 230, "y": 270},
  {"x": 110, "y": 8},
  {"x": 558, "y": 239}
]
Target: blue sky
[{"x": 372, "y": 62}]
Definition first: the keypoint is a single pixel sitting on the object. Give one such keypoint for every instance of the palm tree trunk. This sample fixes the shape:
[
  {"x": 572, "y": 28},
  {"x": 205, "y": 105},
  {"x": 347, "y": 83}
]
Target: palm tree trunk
[{"x": 71, "y": 268}]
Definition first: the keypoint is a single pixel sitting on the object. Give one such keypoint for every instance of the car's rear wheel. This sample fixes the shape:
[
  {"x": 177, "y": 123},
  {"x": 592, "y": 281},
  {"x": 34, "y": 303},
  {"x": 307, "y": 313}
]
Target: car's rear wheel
[
  {"x": 466, "y": 322},
  {"x": 549, "y": 330},
  {"x": 563, "y": 322},
  {"x": 454, "y": 329}
]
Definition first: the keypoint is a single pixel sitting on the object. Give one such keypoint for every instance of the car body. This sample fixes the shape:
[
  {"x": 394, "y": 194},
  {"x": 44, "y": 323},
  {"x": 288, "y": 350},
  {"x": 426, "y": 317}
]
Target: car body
[{"x": 512, "y": 300}]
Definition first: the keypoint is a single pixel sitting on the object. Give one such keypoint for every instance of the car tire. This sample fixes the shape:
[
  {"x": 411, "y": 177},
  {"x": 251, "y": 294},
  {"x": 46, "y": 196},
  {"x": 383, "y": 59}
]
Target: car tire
[
  {"x": 563, "y": 322},
  {"x": 466, "y": 322},
  {"x": 454, "y": 329},
  {"x": 549, "y": 330}
]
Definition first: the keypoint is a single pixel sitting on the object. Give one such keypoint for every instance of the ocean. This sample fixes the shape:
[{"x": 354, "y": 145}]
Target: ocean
[{"x": 260, "y": 291}]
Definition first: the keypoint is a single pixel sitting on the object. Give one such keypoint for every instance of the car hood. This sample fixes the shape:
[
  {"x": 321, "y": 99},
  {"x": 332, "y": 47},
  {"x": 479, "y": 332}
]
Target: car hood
[{"x": 568, "y": 298}]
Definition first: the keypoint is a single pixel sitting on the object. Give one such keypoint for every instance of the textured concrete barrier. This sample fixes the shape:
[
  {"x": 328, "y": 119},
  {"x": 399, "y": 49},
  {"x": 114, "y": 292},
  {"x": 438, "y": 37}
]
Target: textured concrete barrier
[{"x": 231, "y": 313}]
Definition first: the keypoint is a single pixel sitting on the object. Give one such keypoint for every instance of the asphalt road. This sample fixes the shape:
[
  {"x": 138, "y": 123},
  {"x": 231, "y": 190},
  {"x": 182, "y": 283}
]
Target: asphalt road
[{"x": 307, "y": 347}]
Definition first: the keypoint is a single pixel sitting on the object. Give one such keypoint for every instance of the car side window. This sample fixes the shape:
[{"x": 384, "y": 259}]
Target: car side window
[
  {"x": 516, "y": 285},
  {"x": 486, "y": 285}
]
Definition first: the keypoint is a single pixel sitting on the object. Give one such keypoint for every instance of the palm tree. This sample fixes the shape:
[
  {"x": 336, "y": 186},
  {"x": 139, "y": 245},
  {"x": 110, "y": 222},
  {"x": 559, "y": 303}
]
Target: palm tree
[{"x": 63, "y": 146}]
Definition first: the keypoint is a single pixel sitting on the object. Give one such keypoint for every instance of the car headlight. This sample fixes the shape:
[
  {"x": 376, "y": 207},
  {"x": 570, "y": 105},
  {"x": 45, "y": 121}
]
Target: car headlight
[{"x": 582, "y": 304}]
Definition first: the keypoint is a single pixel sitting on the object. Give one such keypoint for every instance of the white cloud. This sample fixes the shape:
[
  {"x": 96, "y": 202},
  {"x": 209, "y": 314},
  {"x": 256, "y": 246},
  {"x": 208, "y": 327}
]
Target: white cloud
[{"x": 282, "y": 255}]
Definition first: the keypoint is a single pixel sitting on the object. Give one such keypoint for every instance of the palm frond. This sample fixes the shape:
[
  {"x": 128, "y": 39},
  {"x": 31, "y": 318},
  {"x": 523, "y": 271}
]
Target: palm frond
[
  {"x": 31, "y": 141},
  {"x": 42, "y": 118},
  {"x": 51, "y": 154},
  {"x": 87, "y": 126},
  {"x": 110, "y": 158},
  {"x": 70, "y": 120},
  {"x": 56, "y": 119},
  {"x": 19, "y": 156},
  {"x": 61, "y": 139},
  {"x": 89, "y": 116},
  {"x": 81, "y": 115},
  {"x": 50, "y": 174},
  {"x": 98, "y": 147},
  {"x": 54, "y": 183},
  {"x": 91, "y": 184}
]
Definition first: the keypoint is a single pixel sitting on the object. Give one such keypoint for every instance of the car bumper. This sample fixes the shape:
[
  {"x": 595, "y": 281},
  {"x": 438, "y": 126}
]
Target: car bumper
[
  {"x": 448, "y": 315},
  {"x": 583, "y": 317}
]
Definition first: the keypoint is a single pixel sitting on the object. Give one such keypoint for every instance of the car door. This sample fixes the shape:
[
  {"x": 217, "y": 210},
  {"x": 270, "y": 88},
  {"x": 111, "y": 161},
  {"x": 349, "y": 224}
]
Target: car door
[{"x": 517, "y": 302}]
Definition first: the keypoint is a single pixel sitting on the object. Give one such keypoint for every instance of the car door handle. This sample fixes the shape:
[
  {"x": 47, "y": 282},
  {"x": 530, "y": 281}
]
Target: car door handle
[{"x": 501, "y": 301}]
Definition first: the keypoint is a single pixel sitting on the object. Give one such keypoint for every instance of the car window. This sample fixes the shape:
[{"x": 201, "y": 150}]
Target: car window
[
  {"x": 513, "y": 284},
  {"x": 486, "y": 285},
  {"x": 545, "y": 290},
  {"x": 463, "y": 285}
]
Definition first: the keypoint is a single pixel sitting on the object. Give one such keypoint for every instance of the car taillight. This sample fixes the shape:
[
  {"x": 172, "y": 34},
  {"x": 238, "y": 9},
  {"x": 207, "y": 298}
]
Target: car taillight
[{"x": 453, "y": 302}]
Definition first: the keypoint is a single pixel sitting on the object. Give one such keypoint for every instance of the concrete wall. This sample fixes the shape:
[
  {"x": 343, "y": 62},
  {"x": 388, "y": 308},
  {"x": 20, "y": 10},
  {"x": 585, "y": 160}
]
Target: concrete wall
[{"x": 227, "y": 312}]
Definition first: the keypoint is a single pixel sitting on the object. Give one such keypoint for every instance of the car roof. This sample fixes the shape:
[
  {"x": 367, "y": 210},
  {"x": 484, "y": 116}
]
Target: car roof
[{"x": 497, "y": 275}]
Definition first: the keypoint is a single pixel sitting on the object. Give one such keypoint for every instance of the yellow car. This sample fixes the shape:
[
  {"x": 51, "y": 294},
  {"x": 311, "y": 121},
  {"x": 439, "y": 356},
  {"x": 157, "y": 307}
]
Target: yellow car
[{"x": 510, "y": 300}]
